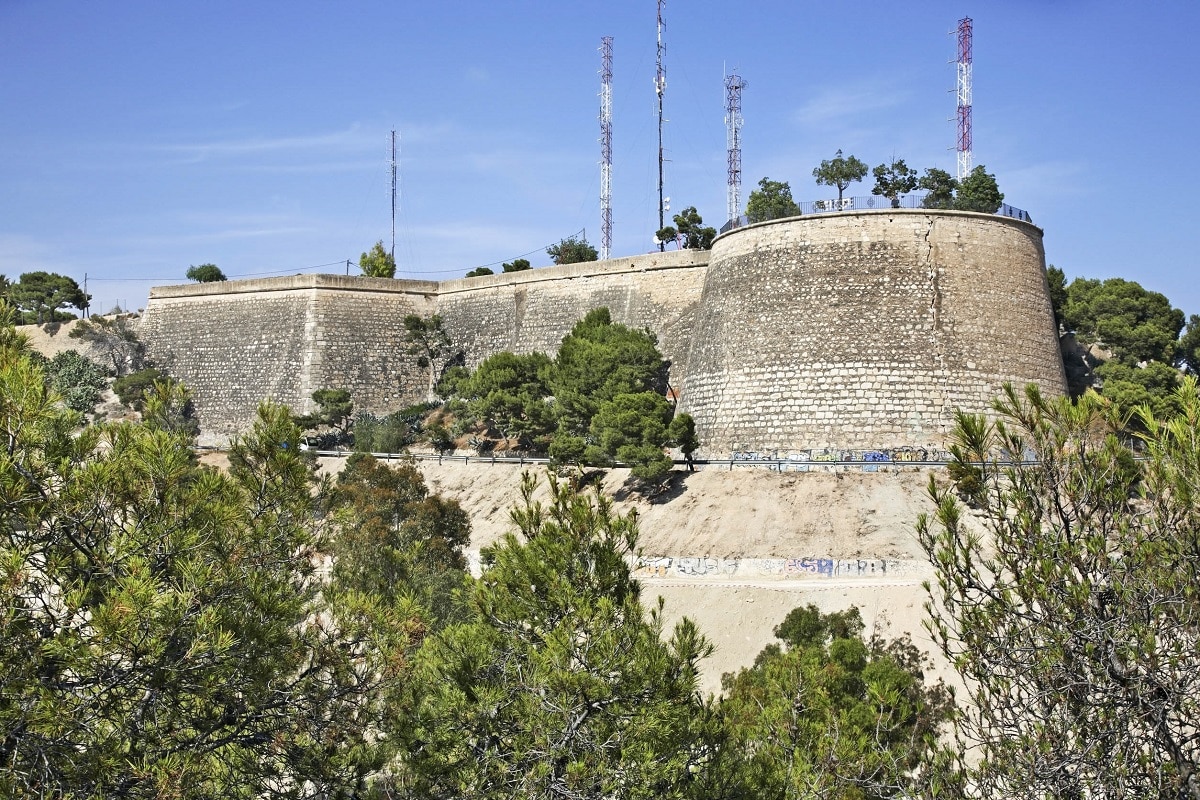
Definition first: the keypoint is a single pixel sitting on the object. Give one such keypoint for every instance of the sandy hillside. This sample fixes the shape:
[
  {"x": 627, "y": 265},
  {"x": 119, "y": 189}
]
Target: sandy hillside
[
  {"x": 738, "y": 514},
  {"x": 740, "y": 620},
  {"x": 749, "y": 514},
  {"x": 51, "y": 345}
]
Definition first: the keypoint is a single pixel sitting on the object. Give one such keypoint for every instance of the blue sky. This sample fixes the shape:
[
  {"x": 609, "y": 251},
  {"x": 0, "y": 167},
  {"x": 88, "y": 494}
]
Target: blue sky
[{"x": 138, "y": 137}]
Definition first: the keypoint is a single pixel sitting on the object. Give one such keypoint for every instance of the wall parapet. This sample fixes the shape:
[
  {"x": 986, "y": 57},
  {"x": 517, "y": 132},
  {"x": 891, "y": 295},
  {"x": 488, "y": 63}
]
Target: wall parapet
[
  {"x": 874, "y": 204},
  {"x": 650, "y": 262},
  {"x": 287, "y": 283}
]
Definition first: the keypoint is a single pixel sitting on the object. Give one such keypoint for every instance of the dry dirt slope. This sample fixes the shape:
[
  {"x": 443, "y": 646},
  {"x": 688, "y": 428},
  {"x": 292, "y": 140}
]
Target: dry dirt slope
[{"x": 750, "y": 515}]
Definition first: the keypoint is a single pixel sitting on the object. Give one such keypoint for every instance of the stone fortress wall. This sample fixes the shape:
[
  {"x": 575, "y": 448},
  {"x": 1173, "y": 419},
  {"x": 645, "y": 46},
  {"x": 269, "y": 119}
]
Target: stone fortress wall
[
  {"x": 851, "y": 329},
  {"x": 533, "y": 310},
  {"x": 236, "y": 343},
  {"x": 866, "y": 330}
]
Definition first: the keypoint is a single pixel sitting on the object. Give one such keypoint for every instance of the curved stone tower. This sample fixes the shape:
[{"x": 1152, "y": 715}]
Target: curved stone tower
[{"x": 866, "y": 330}]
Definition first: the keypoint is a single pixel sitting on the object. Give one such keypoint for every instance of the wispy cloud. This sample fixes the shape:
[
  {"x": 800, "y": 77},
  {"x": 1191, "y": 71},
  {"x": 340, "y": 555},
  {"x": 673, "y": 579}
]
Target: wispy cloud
[
  {"x": 1047, "y": 179},
  {"x": 19, "y": 253},
  {"x": 352, "y": 139},
  {"x": 838, "y": 104},
  {"x": 203, "y": 228}
]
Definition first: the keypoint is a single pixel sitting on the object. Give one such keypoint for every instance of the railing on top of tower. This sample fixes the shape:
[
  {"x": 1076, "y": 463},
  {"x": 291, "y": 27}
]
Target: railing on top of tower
[{"x": 874, "y": 202}]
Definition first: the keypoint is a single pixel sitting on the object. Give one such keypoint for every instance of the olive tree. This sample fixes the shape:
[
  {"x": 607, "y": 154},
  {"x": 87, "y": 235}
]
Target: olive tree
[{"x": 429, "y": 344}]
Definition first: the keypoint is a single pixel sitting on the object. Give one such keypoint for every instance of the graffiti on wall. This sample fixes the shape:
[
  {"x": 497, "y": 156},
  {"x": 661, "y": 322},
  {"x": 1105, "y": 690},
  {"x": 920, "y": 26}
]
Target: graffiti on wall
[
  {"x": 805, "y": 567},
  {"x": 867, "y": 460}
]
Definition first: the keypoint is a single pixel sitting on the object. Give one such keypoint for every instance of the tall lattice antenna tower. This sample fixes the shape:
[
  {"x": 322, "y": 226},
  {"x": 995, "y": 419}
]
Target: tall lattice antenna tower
[
  {"x": 660, "y": 87},
  {"x": 733, "y": 144},
  {"x": 964, "y": 97},
  {"x": 605, "y": 147}
]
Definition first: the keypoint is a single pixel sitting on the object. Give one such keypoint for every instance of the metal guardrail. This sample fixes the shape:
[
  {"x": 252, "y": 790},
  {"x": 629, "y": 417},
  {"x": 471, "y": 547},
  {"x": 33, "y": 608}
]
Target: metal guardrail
[{"x": 874, "y": 203}]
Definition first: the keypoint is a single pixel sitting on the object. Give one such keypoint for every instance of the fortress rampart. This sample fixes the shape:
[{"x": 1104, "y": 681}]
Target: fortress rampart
[
  {"x": 853, "y": 329},
  {"x": 236, "y": 343},
  {"x": 864, "y": 330}
]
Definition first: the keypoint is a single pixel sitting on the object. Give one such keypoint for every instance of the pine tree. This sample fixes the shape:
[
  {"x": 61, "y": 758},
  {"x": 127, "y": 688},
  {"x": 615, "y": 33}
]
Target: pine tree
[
  {"x": 162, "y": 632},
  {"x": 1075, "y": 617},
  {"x": 563, "y": 687}
]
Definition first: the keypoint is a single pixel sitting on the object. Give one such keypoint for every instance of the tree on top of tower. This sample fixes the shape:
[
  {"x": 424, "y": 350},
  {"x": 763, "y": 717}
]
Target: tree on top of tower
[
  {"x": 572, "y": 250},
  {"x": 978, "y": 192},
  {"x": 840, "y": 172},
  {"x": 893, "y": 180},
  {"x": 940, "y": 186},
  {"x": 377, "y": 262},
  {"x": 771, "y": 200}
]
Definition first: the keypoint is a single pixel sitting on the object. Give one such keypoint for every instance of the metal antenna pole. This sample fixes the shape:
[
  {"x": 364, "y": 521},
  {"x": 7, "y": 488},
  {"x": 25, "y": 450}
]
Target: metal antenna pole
[
  {"x": 392, "y": 252},
  {"x": 605, "y": 147},
  {"x": 965, "y": 47},
  {"x": 733, "y": 144},
  {"x": 660, "y": 85}
]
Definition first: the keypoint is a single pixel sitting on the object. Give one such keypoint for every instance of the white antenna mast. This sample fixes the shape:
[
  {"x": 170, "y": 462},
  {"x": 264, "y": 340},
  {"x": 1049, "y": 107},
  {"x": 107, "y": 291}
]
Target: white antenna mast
[
  {"x": 733, "y": 143},
  {"x": 392, "y": 252},
  {"x": 605, "y": 147}
]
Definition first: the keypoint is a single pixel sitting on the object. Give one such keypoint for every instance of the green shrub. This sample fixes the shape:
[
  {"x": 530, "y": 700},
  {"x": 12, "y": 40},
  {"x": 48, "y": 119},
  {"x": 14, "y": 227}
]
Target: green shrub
[
  {"x": 77, "y": 378},
  {"x": 131, "y": 389},
  {"x": 392, "y": 433}
]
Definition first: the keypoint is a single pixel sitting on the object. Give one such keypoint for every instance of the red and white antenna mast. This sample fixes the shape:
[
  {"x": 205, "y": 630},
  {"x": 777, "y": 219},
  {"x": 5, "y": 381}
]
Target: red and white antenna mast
[
  {"x": 605, "y": 147},
  {"x": 964, "y": 97},
  {"x": 733, "y": 144}
]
